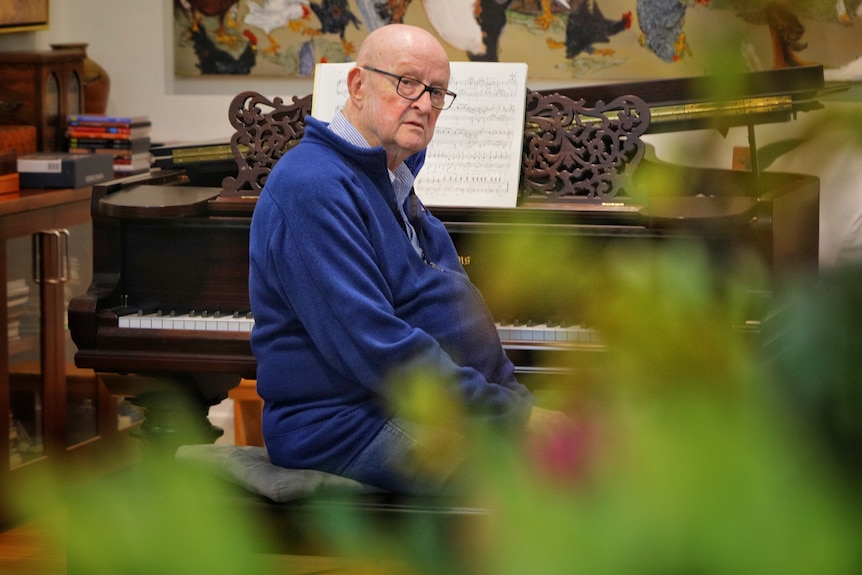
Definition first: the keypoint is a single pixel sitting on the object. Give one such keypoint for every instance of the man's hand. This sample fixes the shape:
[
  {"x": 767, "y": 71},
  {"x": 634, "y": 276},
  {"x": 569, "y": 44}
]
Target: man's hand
[{"x": 543, "y": 421}]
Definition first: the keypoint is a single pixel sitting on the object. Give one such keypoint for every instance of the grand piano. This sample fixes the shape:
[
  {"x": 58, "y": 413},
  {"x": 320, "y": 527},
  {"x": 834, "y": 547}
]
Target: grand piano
[{"x": 166, "y": 319}]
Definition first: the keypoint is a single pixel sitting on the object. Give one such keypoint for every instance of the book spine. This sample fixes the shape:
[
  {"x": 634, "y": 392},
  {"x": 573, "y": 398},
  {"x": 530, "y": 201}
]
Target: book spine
[
  {"x": 114, "y": 152},
  {"x": 95, "y": 119},
  {"x": 99, "y": 129},
  {"x": 79, "y": 134},
  {"x": 137, "y": 159},
  {"x": 122, "y": 143},
  {"x": 126, "y": 169}
]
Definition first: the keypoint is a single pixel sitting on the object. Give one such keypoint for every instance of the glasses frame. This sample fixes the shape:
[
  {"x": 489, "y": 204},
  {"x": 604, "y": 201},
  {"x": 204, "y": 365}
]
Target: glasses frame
[{"x": 426, "y": 88}]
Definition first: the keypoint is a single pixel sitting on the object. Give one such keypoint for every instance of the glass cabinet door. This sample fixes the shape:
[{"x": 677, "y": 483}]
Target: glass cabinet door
[
  {"x": 26, "y": 384},
  {"x": 82, "y": 390},
  {"x": 53, "y": 404}
]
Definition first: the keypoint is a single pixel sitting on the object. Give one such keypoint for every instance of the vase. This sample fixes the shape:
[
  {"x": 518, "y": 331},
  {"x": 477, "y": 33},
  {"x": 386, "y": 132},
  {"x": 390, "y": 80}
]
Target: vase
[{"x": 96, "y": 81}]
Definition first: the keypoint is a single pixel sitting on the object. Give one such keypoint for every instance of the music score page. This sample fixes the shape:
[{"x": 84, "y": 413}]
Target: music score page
[{"x": 474, "y": 158}]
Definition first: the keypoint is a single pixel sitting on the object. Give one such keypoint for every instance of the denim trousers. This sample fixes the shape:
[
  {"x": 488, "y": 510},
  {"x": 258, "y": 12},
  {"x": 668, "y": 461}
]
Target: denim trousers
[{"x": 390, "y": 461}]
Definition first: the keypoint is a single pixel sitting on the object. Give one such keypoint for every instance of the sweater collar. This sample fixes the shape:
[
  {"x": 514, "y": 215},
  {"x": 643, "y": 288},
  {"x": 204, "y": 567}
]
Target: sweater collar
[{"x": 317, "y": 129}]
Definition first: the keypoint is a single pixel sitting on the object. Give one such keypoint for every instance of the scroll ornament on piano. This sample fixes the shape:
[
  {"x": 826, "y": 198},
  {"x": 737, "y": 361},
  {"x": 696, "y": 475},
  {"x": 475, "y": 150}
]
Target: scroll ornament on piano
[
  {"x": 265, "y": 131},
  {"x": 572, "y": 151}
]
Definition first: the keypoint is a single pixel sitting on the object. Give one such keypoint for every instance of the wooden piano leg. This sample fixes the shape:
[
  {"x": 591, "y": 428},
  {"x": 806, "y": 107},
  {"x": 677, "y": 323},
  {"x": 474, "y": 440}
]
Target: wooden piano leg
[{"x": 175, "y": 406}]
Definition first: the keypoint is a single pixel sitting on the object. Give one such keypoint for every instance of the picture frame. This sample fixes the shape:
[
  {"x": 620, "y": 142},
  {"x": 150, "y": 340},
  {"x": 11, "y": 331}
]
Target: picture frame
[
  {"x": 24, "y": 15},
  {"x": 590, "y": 40}
]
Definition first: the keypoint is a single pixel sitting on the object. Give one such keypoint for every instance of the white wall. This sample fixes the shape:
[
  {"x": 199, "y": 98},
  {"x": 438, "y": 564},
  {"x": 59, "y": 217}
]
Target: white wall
[{"x": 131, "y": 39}]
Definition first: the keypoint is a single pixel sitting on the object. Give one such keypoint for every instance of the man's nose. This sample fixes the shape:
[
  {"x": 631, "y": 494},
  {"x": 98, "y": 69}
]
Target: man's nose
[{"x": 423, "y": 102}]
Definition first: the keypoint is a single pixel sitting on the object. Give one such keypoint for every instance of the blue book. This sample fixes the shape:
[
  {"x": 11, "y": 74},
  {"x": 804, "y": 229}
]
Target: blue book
[{"x": 101, "y": 120}]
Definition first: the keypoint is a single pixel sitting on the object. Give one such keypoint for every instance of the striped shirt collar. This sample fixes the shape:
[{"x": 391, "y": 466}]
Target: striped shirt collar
[{"x": 402, "y": 178}]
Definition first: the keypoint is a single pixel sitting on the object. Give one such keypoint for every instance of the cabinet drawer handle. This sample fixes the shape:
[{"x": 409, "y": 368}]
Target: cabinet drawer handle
[
  {"x": 63, "y": 256},
  {"x": 9, "y": 107}
]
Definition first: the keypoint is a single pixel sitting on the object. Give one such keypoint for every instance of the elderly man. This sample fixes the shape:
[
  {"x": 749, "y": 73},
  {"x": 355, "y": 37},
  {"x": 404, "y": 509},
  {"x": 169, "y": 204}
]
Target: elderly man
[{"x": 353, "y": 282}]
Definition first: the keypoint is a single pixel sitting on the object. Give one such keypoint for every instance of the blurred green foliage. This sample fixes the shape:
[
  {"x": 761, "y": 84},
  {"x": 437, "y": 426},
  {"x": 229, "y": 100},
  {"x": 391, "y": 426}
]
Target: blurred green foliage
[
  {"x": 153, "y": 517},
  {"x": 698, "y": 452}
]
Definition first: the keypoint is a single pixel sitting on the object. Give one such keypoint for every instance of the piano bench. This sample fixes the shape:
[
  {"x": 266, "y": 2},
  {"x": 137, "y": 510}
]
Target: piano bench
[
  {"x": 219, "y": 501},
  {"x": 297, "y": 505}
]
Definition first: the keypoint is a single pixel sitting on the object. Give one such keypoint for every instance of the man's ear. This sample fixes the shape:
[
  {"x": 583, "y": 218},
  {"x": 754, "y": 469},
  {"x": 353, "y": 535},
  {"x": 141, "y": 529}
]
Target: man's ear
[{"x": 355, "y": 86}]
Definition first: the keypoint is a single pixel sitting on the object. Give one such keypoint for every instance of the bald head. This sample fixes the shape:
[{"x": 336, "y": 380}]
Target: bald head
[
  {"x": 402, "y": 126},
  {"x": 398, "y": 40}
]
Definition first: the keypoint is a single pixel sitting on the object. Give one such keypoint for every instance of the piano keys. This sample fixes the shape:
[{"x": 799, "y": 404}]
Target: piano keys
[
  {"x": 205, "y": 320},
  {"x": 243, "y": 321}
]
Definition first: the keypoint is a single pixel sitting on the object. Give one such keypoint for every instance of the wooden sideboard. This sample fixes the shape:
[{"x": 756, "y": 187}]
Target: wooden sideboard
[
  {"x": 53, "y": 415},
  {"x": 41, "y": 89}
]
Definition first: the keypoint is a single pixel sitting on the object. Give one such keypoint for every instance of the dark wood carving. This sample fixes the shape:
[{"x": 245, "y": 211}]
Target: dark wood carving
[
  {"x": 575, "y": 152},
  {"x": 571, "y": 151},
  {"x": 265, "y": 131}
]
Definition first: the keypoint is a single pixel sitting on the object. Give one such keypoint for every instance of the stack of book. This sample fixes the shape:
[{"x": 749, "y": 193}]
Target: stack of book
[{"x": 126, "y": 139}]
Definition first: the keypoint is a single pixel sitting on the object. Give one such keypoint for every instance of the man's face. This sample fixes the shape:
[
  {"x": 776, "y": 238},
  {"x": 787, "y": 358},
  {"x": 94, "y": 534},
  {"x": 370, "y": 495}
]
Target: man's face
[{"x": 403, "y": 127}]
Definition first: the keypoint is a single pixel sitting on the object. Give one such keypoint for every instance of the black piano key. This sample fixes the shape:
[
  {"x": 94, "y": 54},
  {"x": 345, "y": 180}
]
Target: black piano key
[{"x": 126, "y": 310}]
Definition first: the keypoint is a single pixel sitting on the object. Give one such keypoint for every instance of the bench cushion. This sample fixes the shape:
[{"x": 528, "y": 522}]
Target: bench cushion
[{"x": 250, "y": 468}]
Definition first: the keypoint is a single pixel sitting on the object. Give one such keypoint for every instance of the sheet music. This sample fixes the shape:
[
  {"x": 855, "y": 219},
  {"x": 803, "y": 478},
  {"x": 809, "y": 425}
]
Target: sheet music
[{"x": 474, "y": 158}]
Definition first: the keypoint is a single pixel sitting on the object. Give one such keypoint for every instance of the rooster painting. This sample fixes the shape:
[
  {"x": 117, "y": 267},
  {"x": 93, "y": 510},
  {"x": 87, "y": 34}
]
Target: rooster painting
[
  {"x": 275, "y": 14},
  {"x": 592, "y": 35},
  {"x": 377, "y": 13},
  {"x": 477, "y": 27},
  {"x": 662, "y": 24},
  {"x": 783, "y": 19},
  {"x": 839, "y": 11},
  {"x": 195, "y": 10},
  {"x": 586, "y": 26},
  {"x": 215, "y": 60},
  {"x": 334, "y": 16},
  {"x": 786, "y": 32},
  {"x": 830, "y": 11},
  {"x": 472, "y": 26}
]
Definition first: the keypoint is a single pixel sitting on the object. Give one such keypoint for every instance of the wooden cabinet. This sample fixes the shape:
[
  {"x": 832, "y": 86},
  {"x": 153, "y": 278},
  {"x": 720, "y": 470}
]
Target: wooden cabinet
[
  {"x": 53, "y": 415},
  {"x": 41, "y": 89}
]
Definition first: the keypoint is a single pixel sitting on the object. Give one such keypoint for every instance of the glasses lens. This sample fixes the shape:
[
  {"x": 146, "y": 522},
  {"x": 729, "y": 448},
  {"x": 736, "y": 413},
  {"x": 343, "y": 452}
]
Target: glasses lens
[
  {"x": 447, "y": 100},
  {"x": 438, "y": 97},
  {"x": 409, "y": 87},
  {"x": 413, "y": 89}
]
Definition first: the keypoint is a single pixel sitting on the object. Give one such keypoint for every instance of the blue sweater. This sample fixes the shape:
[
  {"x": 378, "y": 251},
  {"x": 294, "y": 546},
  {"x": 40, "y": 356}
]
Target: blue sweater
[{"x": 341, "y": 299}]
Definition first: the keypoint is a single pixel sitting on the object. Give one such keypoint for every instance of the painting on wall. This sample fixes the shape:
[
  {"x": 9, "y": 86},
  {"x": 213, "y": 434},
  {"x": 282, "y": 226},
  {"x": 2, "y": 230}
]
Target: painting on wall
[{"x": 558, "y": 39}]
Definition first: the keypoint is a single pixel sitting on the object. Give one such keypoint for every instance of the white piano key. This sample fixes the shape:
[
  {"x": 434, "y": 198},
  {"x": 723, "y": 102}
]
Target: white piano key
[
  {"x": 547, "y": 333},
  {"x": 238, "y": 322},
  {"x": 243, "y": 322}
]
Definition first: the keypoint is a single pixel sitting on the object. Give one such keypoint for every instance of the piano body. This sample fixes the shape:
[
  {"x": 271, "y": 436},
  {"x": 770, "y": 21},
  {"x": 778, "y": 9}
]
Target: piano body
[{"x": 165, "y": 320}]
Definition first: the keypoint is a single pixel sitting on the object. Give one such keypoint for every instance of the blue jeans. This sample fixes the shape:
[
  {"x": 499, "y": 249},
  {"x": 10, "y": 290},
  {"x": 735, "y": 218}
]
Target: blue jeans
[{"x": 389, "y": 462}]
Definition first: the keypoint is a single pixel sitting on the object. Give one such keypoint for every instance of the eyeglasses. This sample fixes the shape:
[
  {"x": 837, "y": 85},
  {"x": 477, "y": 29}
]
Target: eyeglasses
[{"x": 412, "y": 89}]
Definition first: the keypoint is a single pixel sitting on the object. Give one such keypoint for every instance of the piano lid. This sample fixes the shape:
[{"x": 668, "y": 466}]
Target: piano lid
[{"x": 716, "y": 101}]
